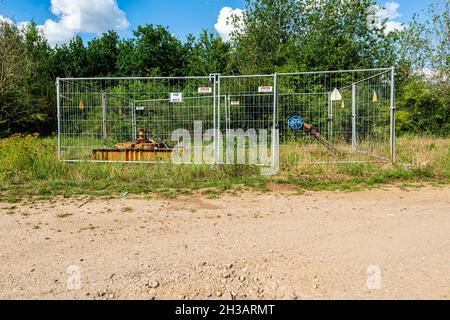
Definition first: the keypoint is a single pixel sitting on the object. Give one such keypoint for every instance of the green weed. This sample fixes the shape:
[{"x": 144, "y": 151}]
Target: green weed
[{"x": 29, "y": 168}]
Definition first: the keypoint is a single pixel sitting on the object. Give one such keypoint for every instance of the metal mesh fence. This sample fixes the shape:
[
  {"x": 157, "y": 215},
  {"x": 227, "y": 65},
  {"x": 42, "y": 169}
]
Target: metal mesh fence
[
  {"x": 346, "y": 116},
  {"x": 105, "y": 116},
  {"x": 350, "y": 110},
  {"x": 246, "y": 117}
]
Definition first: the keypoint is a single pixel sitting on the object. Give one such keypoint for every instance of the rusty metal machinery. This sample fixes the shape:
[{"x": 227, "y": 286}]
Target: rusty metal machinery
[
  {"x": 142, "y": 149},
  {"x": 316, "y": 135},
  {"x": 297, "y": 123}
]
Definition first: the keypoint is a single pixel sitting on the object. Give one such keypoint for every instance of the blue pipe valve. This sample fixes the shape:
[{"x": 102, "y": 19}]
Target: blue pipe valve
[{"x": 296, "y": 123}]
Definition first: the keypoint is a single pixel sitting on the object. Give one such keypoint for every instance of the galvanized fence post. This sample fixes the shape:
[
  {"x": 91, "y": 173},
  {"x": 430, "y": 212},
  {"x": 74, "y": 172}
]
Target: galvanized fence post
[
  {"x": 219, "y": 134},
  {"x": 392, "y": 147},
  {"x": 354, "y": 117},
  {"x": 275, "y": 145},
  {"x": 104, "y": 116},
  {"x": 133, "y": 120},
  {"x": 214, "y": 79},
  {"x": 58, "y": 107},
  {"x": 330, "y": 118}
]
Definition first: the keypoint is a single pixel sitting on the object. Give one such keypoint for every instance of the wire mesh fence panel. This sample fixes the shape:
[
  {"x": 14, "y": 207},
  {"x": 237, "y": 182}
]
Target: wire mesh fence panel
[
  {"x": 337, "y": 125},
  {"x": 373, "y": 113},
  {"x": 131, "y": 119},
  {"x": 246, "y": 119},
  {"x": 85, "y": 118}
]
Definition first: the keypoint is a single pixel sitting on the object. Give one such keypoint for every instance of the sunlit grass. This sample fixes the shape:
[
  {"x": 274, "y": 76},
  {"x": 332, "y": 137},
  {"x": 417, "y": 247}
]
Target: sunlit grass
[{"x": 29, "y": 167}]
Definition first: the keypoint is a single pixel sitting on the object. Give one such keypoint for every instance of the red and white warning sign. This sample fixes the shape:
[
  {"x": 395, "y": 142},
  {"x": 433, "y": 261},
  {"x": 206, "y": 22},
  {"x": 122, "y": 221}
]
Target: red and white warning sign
[
  {"x": 265, "y": 89},
  {"x": 204, "y": 90}
]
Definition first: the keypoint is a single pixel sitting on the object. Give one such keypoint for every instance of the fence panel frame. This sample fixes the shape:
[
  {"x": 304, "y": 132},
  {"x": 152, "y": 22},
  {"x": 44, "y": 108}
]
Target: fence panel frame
[
  {"x": 190, "y": 84},
  {"x": 272, "y": 128},
  {"x": 390, "y": 155},
  {"x": 216, "y": 81}
]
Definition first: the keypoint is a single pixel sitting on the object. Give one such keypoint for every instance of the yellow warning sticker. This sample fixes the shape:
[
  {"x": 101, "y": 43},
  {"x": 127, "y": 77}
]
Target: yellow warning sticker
[{"x": 374, "y": 97}]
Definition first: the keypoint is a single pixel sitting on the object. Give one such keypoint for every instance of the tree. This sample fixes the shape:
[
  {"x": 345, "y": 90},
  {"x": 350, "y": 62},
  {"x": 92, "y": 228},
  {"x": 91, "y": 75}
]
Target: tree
[
  {"x": 26, "y": 86},
  {"x": 310, "y": 35},
  {"x": 425, "y": 46},
  {"x": 424, "y": 90},
  {"x": 127, "y": 64},
  {"x": 263, "y": 37},
  {"x": 209, "y": 54},
  {"x": 71, "y": 60},
  {"x": 273, "y": 35},
  {"x": 152, "y": 51},
  {"x": 102, "y": 55}
]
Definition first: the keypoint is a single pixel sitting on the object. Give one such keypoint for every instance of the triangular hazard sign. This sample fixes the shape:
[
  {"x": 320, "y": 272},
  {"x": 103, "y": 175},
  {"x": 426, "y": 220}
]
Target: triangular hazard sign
[{"x": 336, "y": 95}]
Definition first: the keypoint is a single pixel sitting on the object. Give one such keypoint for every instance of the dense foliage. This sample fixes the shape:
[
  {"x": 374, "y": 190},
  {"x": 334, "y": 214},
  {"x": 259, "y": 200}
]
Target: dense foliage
[
  {"x": 288, "y": 35},
  {"x": 274, "y": 35},
  {"x": 27, "y": 92}
]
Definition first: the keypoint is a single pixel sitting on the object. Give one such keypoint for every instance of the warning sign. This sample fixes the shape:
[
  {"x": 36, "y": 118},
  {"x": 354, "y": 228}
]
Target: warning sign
[
  {"x": 176, "y": 97},
  {"x": 235, "y": 103},
  {"x": 265, "y": 89},
  {"x": 204, "y": 90},
  {"x": 336, "y": 95},
  {"x": 375, "y": 97},
  {"x": 140, "y": 108}
]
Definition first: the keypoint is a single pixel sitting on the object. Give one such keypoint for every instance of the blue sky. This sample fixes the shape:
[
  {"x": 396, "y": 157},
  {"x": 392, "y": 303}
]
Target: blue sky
[{"x": 61, "y": 18}]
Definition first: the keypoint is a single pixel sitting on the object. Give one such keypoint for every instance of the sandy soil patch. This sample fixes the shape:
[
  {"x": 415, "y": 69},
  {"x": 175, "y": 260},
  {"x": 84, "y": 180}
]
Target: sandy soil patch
[{"x": 281, "y": 245}]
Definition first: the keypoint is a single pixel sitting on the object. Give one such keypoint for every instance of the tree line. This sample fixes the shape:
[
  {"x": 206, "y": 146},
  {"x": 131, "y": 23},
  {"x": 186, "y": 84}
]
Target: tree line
[{"x": 272, "y": 36}]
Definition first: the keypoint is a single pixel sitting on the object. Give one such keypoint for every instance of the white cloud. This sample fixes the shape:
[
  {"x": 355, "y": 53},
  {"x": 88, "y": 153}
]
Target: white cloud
[
  {"x": 428, "y": 73},
  {"x": 224, "y": 25},
  {"x": 23, "y": 25},
  {"x": 20, "y": 25},
  {"x": 392, "y": 26},
  {"x": 5, "y": 19},
  {"x": 90, "y": 16},
  {"x": 388, "y": 12}
]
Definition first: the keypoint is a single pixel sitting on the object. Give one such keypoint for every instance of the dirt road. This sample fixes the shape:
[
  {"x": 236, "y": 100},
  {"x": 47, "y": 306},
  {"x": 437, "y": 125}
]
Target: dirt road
[{"x": 323, "y": 245}]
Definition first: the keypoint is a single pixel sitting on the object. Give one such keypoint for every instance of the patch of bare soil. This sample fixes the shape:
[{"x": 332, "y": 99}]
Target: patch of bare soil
[{"x": 318, "y": 245}]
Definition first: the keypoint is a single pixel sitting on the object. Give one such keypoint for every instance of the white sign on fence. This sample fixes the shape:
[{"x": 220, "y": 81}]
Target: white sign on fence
[
  {"x": 140, "y": 108},
  {"x": 265, "y": 89},
  {"x": 176, "y": 97},
  {"x": 204, "y": 90},
  {"x": 235, "y": 103},
  {"x": 336, "y": 95}
]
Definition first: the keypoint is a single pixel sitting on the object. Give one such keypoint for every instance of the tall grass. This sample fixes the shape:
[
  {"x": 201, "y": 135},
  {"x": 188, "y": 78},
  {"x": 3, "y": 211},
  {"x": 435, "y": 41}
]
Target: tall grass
[{"x": 29, "y": 166}]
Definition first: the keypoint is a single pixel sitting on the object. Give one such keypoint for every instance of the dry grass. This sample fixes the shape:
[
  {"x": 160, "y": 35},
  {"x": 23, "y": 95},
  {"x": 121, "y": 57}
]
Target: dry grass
[
  {"x": 29, "y": 167},
  {"x": 423, "y": 151},
  {"x": 418, "y": 159}
]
